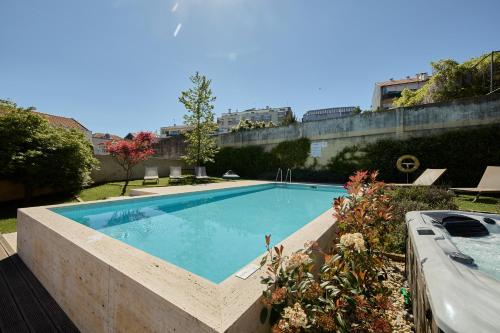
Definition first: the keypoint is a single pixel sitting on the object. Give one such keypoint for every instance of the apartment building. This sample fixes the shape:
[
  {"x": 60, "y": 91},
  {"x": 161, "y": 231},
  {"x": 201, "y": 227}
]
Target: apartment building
[
  {"x": 386, "y": 92},
  {"x": 174, "y": 130},
  {"x": 230, "y": 119}
]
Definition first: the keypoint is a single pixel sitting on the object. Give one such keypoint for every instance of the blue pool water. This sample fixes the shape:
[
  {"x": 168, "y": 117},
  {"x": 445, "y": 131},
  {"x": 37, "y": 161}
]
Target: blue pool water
[{"x": 212, "y": 233}]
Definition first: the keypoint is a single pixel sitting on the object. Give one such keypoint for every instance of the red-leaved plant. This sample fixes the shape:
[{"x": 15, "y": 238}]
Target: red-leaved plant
[
  {"x": 129, "y": 153},
  {"x": 339, "y": 290}
]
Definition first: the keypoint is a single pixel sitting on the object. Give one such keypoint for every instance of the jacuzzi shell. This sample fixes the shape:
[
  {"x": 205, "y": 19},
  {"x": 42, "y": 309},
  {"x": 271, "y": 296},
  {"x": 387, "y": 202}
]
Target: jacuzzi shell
[{"x": 447, "y": 295}]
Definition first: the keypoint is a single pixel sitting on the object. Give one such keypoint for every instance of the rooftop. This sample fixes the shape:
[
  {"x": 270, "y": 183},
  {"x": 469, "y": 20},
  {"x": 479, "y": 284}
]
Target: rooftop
[
  {"x": 421, "y": 77},
  {"x": 59, "y": 121},
  {"x": 106, "y": 136}
]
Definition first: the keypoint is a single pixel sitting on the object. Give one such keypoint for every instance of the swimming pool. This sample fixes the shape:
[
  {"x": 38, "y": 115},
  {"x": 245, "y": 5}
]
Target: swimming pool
[{"x": 212, "y": 233}]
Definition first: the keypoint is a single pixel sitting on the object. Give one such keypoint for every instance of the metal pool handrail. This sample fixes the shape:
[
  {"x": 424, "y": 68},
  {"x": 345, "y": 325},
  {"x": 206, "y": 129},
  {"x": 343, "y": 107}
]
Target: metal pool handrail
[
  {"x": 286, "y": 176},
  {"x": 280, "y": 173}
]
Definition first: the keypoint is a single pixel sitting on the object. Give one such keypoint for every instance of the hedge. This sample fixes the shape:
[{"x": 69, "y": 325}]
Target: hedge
[
  {"x": 465, "y": 153},
  {"x": 255, "y": 162}
]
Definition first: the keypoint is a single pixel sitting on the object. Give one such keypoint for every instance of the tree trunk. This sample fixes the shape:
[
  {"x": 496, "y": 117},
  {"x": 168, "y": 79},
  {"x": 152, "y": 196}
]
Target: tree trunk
[{"x": 124, "y": 189}]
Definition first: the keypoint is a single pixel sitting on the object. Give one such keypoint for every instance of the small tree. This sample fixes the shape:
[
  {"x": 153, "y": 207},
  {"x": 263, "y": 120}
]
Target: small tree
[
  {"x": 198, "y": 100},
  {"x": 129, "y": 153},
  {"x": 289, "y": 119},
  {"x": 37, "y": 154}
]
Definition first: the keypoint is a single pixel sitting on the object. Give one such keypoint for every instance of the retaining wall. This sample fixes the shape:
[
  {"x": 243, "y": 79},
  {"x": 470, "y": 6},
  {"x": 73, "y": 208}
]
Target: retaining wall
[{"x": 329, "y": 137}]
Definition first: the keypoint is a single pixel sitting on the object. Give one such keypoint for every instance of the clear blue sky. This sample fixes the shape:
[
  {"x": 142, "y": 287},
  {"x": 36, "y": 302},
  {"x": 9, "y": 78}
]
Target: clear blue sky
[{"x": 119, "y": 65}]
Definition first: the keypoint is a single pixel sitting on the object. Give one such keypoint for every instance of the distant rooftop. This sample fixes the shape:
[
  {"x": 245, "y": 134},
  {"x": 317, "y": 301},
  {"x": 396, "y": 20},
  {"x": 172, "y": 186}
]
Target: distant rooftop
[
  {"x": 266, "y": 109},
  {"x": 106, "y": 136},
  {"x": 417, "y": 78},
  {"x": 59, "y": 121}
]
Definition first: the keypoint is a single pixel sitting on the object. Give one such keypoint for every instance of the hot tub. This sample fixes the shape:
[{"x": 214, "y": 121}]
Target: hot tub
[{"x": 453, "y": 269}]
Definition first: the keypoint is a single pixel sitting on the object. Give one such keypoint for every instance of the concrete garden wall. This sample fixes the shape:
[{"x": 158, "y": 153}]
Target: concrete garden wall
[
  {"x": 330, "y": 136},
  {"x": 111, "y": 171}
]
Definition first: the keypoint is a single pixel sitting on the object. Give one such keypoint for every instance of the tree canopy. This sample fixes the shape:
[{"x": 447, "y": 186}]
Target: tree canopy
[
  {"x": 451, "y": 80},
  {"x": 198, "y": 101},
  {"x": 37, "y": 154},
  {"x": 129, "y": 153}
]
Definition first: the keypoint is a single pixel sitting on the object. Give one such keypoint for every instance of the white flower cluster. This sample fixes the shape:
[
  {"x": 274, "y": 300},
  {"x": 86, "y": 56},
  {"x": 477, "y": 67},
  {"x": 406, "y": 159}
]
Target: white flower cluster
[
  {"x": 296, "y": 317},
  {"x": 297, "y": 259},
  {"x": 355, "y": 241}
]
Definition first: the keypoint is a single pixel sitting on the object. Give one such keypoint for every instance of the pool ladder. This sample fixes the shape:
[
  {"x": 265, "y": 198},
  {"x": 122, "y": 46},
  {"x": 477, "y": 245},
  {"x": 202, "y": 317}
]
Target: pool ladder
[{"x": 280, "y": 175}]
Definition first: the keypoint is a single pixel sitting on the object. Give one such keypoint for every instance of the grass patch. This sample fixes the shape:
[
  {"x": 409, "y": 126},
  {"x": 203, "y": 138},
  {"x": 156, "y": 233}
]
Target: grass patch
[
  {"x": 8, "y": 211},
  {"x": 483, "y": 204},
  {"x": 7, "y": 225}
]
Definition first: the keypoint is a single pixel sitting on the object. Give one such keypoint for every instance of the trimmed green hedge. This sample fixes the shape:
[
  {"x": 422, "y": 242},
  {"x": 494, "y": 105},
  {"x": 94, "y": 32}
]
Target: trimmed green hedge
[
  {"x": 255, "y": 162},
  {"x": 465, "y": 153}
]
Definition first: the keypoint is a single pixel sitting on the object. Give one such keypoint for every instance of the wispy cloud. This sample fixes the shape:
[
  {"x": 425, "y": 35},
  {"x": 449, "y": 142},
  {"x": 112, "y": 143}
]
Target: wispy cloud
[
  {"x": 174, "y": 7},
  {"x": 177, "y": 29}
]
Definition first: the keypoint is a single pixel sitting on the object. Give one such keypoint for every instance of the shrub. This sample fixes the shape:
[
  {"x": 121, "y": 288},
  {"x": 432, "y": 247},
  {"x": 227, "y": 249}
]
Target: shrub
[
  {"x": 345, "y": 293},
  {"x": 248, "y": 125},
  {"x": 248, "y": 161},
  {"x": 37, "y": 154},
  {"x": 292, "y": 154},
  {"x": 408, "y": 199}
]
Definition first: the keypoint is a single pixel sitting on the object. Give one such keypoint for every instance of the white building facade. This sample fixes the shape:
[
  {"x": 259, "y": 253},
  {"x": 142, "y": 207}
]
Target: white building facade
[{"x": 230, "y": 119}]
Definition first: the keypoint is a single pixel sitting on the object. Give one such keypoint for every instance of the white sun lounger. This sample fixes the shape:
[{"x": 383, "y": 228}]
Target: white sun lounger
[
  {"x": 200, "y": 172},
  {"x": 427, "y": 178},
  {"x": 230, "y": 174},
  {"x": 175, "y": 173},
  {"x": 151, "y": 174},
  {"x": 489, "y": 183}
]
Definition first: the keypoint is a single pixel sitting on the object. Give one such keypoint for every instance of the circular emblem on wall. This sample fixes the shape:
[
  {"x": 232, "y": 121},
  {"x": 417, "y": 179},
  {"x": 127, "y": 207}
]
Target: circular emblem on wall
[{"x": 407, "y": 163}]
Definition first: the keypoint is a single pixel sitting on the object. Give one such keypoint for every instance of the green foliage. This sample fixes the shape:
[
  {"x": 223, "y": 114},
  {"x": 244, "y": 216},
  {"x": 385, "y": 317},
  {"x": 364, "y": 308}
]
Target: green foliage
[
  {"x": 340, "y": 290},
  {"x": 255, "y": 162},
  {"x": 407, "y": 199},
  {"x": 38, "y": 155},
  {"x": 465, "y": 153},
  {"x": 289, "y": 119},
  {"x": 292, "y": 154},
  {"x": 247, "y": 125},
  {"x": 248, "y": 161},
  {"x": 347, "y": 161},
  {"x": 198, "y": 100},
  {"x": 451, "y": 80}
]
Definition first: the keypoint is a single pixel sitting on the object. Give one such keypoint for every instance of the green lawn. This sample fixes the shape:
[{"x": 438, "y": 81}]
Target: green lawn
[
  {"x": 483, "y": 204},
  {"x": 8, "y": 210}
]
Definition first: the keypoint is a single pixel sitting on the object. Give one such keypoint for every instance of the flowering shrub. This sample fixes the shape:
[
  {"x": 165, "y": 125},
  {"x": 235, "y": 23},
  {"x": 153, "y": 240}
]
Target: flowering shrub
[{"x": 343, "y": 290}]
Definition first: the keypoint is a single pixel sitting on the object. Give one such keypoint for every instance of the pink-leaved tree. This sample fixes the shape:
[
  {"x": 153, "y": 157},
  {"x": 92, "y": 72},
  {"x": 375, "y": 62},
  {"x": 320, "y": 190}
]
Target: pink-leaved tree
[{"x": 129, "y": 153}]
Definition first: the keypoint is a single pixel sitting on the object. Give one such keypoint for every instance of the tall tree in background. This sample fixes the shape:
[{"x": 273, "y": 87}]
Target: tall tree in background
[
  {"x": 289, "y": 119},
  {"x": 198, "y": 100},
  {"x": 129, "y": 153}
]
